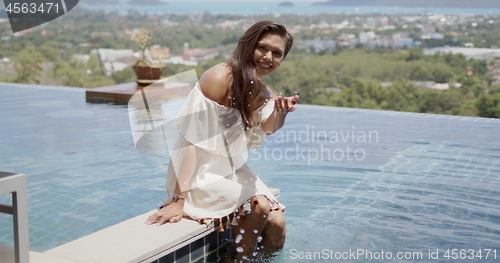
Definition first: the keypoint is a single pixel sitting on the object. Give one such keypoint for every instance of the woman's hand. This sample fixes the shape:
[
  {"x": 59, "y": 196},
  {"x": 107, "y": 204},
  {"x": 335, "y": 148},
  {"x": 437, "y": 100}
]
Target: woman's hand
[
  {"x": 286, "y": 104},
  {"x": 171, "y": 213},
  {"x": 282, "y": 106}
]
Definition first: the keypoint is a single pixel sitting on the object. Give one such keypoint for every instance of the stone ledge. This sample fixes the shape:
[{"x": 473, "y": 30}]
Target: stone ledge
[{"x": 129, "y": 241}]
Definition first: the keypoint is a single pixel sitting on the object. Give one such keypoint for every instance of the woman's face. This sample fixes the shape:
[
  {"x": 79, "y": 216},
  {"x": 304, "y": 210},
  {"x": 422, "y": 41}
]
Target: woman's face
[{"x": 269, "y": 53}]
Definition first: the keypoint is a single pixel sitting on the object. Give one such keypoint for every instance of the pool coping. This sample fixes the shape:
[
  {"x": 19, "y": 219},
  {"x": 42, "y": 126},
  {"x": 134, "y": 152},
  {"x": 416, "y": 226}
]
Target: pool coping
[{"x": 130, "y": 241}]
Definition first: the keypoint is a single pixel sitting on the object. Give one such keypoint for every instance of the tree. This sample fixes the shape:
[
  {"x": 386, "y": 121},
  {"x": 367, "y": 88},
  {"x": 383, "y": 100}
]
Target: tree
[
  {"x": 420, "y": 72},
  {"x": 440, "y": 102},
  {"x": 50, "y": 50},
  {"x": 123, "y": 76},
  {"x": 489, "y": 105},
  {"x": 28, "y": 65},
  {"x": 77, "y": 73},
  {"x": 415, "y": 54},
  {"x": 441, "y": 73}
]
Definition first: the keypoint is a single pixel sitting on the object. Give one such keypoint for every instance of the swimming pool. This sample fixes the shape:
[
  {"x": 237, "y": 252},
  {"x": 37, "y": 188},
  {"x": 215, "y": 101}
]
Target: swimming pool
[{"x": 352, "y": 180}]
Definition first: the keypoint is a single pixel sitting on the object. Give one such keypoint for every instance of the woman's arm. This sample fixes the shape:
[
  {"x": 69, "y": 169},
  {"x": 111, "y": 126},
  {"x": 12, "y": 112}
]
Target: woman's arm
[
  {"x": 174, "y": 212},
  {"x": 213, "y": 84},
  {"x": 282, "y": 106}
]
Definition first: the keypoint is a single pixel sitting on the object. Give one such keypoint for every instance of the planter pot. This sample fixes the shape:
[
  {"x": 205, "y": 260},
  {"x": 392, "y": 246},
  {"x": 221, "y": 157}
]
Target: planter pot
[{"x": 147, "y": 74}]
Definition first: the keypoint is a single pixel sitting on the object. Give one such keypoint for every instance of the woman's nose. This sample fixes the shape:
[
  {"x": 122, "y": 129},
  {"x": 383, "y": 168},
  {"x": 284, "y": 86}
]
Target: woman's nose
[{"x": 268, "y": 55}]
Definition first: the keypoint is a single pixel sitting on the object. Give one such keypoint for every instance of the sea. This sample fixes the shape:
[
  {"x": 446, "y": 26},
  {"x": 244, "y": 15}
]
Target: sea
[{"x": 272, "y": 8}]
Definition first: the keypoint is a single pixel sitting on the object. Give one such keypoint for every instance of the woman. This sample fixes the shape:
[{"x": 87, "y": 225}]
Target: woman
[{"x": 209, "y": 179}]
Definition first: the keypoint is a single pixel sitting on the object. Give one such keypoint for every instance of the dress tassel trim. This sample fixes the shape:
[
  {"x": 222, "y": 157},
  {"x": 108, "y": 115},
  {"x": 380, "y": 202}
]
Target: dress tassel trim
[
  {"x": 221, "y": 226},
  {"x": 244, "y": 209}
]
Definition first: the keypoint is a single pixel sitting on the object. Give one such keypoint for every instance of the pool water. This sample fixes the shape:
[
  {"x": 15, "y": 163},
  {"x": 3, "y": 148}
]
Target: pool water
[
  {"x": 430, "y": 183},
  {"x": 372, "y": 182}
]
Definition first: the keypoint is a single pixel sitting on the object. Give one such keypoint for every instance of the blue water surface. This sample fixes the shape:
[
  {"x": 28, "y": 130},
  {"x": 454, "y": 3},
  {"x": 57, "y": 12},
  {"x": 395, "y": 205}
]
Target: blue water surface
[{"x": 351, "y": 179}]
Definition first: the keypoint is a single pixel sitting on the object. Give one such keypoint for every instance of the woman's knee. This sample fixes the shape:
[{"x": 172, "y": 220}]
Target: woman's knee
[
  {"x": 276, "y": 219},
  {"x": 261, "y": 205},
  {"x": 274, "y": 232}
]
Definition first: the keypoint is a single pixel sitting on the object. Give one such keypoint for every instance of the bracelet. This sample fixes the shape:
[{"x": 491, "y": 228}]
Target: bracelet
[
  {"x": 175, "y": 198},
  {"x": 170, "y": 200}
]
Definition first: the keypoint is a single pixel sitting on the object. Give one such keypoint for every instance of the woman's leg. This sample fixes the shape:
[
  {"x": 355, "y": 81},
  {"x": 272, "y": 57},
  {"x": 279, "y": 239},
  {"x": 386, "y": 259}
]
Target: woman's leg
[
  {"x": 274, "y": 233},
  {"x": 269, "y": 225},
  {"x": 250, "y": 227}
]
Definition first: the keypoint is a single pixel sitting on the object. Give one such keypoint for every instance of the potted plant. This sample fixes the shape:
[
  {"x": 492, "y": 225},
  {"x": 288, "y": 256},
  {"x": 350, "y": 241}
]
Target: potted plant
[{"x": 146, "y": 69}]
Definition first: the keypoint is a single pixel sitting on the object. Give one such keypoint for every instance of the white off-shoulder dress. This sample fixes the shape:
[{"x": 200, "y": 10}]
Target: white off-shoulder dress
[{"x": 221, "y": 182}]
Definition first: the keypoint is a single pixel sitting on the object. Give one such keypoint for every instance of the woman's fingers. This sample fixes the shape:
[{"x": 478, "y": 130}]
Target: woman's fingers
[
  {"x": 280, "y": 103},
  {"x": 170, "y": 214},
  {"x": 175, "y": 219},
  {"x": 287, "y": 104},
  {"x": 163, "y": 220},
  {"x": 152, "y": 219},
  {"x": 292, "y": 102},
  {"x": 277, "y": 103}
]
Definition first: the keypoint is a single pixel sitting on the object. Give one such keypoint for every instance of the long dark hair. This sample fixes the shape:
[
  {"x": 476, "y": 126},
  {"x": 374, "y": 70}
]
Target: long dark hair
[{"x": 245, "y": 86}]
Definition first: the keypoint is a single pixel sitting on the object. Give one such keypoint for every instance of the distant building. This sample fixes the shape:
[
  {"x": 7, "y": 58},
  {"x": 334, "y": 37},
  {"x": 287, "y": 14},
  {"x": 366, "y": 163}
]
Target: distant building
[
  {"x": 402, "y": 40},
  {"x": 342, "y": 25},
  {"x": 318, "y": 44},
  {"x": 114, "y": 67},
  {"x": 118, "y": 63},
  {"x": 179, "y": 60},
  {"x": 347, "y": 40},
  {"x": 475, "y": 53},
  {"x": 441, "y": 86},
  {"x": 434, "y": 85},
  {"x": 371, "y": 22},
  {"x": 199, "y": 54},
  {"x": 228, "y": 24},
  {"x": 156, "y": 51},
  {"x": 365, "y": 38},
  {"x": 47, "y": 33},
  {"x": 437, "y": 36},
  {"x": 384, "y": 21},
  {"x": 108, "y": 54}
]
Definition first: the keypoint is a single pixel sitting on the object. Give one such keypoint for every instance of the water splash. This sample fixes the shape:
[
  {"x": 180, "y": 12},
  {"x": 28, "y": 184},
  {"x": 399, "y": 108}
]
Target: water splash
[
  {"x": 280, "y": 92},
  {"x": 238, "y": 239}
]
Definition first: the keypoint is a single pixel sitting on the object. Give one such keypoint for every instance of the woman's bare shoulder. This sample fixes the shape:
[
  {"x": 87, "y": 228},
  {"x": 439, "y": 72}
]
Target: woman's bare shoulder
[{"x": 214, "y": 82}]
